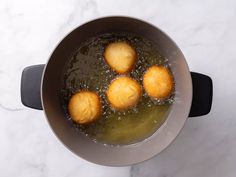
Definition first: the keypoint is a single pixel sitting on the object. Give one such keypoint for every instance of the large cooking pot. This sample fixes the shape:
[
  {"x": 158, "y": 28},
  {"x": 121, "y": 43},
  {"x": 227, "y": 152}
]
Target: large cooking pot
[{"x": 40, "y": 84}]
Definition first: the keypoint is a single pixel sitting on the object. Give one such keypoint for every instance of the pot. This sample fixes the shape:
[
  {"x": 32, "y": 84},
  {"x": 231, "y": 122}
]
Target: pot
[{"x": 40, "y": 83}]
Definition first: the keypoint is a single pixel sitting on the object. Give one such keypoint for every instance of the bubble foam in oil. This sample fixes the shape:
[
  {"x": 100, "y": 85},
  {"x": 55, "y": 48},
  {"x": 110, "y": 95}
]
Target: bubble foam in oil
[{"x": 87, "y": 70}]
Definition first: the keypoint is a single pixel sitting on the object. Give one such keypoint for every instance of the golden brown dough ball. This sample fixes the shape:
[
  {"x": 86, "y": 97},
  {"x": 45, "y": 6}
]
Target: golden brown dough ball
[
  {"x": 123, "y": 93},
  {"x": 84, "y": 107},
  {"x": 158, "y": 82},
  {"x": 120, "y": 56}
]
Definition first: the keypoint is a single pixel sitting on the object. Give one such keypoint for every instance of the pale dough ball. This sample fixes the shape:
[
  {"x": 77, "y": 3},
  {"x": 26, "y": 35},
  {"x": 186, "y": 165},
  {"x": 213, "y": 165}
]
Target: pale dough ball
[
  {"x": 84, "y": 107},
  {"x": 158, "y": 82},
  {"x": 123, "y": 93},
  {"x": 120, "y": 56}
]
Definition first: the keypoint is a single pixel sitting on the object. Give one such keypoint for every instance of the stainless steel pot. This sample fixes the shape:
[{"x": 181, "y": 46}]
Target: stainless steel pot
[{"x": 40, "y": 84}]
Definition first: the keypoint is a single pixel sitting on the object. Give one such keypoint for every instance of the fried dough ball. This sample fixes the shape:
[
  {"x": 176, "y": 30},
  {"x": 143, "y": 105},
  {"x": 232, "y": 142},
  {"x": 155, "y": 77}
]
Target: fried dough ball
[
  {"x": 158, "y": 82},
  {"x": 123, "y": 93},
  {"x": 84, "y": 107},
  {"x": 120, "y": 56}
]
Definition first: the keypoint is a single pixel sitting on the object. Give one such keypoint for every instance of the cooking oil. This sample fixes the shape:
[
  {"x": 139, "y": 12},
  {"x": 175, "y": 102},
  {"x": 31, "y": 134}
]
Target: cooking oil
[{"x": 87, "y": 70}]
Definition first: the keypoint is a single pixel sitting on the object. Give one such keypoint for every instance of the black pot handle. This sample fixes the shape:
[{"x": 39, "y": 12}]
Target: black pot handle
[
  {"x": 202, "y": 94},
  {"x": 31, "y": 86}
]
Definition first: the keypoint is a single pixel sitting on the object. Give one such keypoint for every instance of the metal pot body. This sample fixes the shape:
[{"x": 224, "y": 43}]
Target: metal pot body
[{"x": 80, "y": 144}]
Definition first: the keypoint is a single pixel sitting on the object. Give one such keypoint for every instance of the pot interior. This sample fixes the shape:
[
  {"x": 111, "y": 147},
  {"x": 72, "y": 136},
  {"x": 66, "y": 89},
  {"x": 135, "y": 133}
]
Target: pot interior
[{"x": 77, "y": 142}]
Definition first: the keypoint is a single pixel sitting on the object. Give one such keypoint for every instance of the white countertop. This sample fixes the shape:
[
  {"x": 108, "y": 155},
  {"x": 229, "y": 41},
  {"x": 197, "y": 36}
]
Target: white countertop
[{"x": 206, "y": 33}]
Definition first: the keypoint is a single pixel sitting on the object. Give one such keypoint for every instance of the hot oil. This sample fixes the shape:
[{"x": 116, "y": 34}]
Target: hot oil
[{"x": 87, "y": 70}]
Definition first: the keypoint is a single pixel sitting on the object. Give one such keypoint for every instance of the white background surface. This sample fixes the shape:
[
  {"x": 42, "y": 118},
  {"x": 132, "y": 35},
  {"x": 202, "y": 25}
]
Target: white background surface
[{"x": 206, "y": 33}]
